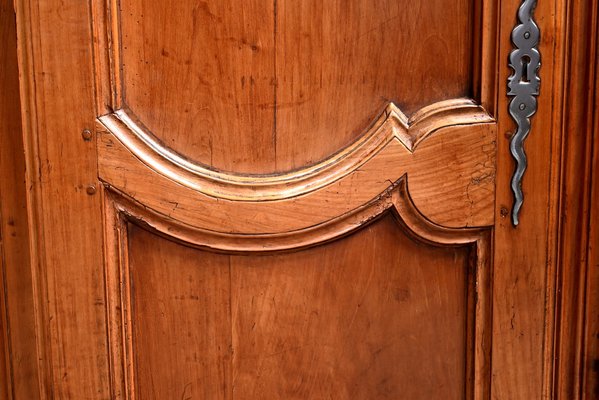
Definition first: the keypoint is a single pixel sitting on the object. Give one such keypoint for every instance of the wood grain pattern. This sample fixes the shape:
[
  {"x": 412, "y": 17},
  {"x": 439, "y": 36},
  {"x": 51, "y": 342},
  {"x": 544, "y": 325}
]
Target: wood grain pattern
[
  {"x": 576, "y": 373},
  {"x": 216, "y": 79},
  {"x": 338, "y": 63},
  {"x": 349, "y": 320},
  {"x": 301, "y": 328},
  {"x": 181, "y": 325},
  {"x": 155, "y": 273},
  {"x": 591, "y": 334},
  {"x": 206, "y": 68},
  {"x": 18, "y": 318},
  {"x": 57, "y": 88},
  {"x": 538, "y": 321},
  {"x": 5, "y": 364}
]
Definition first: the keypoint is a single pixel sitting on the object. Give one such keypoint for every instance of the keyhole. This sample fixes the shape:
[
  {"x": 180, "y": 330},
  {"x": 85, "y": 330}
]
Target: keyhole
[{"x": 525, "y": 64}]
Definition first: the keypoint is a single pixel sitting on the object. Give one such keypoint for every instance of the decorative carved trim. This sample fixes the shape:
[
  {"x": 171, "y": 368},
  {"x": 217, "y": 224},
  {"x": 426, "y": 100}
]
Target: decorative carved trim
[
  {"x": 392, "y": 123},
  {"x": 466, "y": 199},
  {"x": 524, "y": 84},
  {"x": 433, "y": 142},
  {"x": 395, "y": 198}
]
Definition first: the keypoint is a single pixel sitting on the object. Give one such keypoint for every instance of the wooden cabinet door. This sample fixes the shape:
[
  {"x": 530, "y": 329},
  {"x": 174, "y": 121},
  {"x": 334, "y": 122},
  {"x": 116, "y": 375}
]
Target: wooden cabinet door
[{"x": 284, "y": 199}]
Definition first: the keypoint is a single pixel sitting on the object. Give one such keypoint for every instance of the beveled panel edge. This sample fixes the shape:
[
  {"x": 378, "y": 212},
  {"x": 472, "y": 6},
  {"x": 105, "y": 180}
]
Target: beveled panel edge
[
  {"x": 392, "y": 123},
  {"x": 119, "y": 211}
]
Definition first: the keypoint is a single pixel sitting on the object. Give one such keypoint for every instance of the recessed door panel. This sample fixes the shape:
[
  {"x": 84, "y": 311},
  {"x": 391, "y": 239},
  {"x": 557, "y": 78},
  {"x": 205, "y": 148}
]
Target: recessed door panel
[
  {"x": 269, "y": 86},
  {"x": 375, "y": 315}
]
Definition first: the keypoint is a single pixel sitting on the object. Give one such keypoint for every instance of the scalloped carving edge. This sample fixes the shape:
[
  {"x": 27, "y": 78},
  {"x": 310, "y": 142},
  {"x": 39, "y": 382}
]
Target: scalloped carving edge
[
  {"x": 119, "y": 211},
  {"x": 395, "y": 199},
  {"x": 391, "y": 124}
]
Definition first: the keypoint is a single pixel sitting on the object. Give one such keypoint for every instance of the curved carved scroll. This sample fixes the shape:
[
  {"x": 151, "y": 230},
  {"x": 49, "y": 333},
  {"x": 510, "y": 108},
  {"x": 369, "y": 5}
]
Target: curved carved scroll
[
  {"x": 392, "y": 123},
  {"x": 446, "y": 149},
  {"x": 396, "y": 199}
]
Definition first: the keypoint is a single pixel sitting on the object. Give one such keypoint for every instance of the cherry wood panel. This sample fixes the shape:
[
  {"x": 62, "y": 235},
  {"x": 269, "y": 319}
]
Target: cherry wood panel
[
  {"x": 591, "y": 335},
  {"x": 57, "y": 92},
  {"x": 577, "y": 317},
  {"x": 121, "y": 284},
  {"x": 18, "y": 356},
  {"x": 266, "y": 86},
  {"x": 523, "y": 285},
  {"x": 340, "y": 62},
  {"x": 56, "y": 40},
  {"x": 180, "y": 306},
  {"x": 374, "y": 315},
  {"x": 590, "y": 347},
  {"x": 5, "y": 378},
  {"x": 201, "y": 75}
]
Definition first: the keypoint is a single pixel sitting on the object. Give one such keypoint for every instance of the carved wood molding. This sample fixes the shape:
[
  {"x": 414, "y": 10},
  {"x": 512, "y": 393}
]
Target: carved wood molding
[
  {"x": 441, "y": 140},
  {"x": 454, "y": 140},
  {"x": 396, "y": 199},
  {"x": 391, "y": 124}
]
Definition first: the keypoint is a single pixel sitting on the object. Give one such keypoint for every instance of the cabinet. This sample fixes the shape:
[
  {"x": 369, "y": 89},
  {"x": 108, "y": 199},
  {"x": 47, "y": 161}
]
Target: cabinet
[{"x": 295, "y": 200}]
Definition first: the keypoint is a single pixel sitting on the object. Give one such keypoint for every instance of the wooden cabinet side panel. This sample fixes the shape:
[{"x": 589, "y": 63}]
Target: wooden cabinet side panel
[
  {"x": 18, "y": 323},
  {"x": 57, "y": 92},
  {"x": 591, "y": 360},
  {"x": 576, "y": 374},
  {"x": 591, "y": 334}
]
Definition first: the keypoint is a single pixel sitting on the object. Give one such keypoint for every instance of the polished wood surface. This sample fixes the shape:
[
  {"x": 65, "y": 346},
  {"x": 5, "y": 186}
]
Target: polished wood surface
[
  {"x": 266, "y": 87},
  {"x": 577, "y": 280},
  {"x": 523, "y": 289},
  {"x": 590, "y": 342},
  {"x": 180, "y": 307},
  {"x": 18, "y": 369},
  {"x": 590, "y": 346},
  {"x": 57, "y": 92},
  {"x": 368, "y": 316},
  {"x": 255, "y": 199},
  {"x": 438, "y": 162}
]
